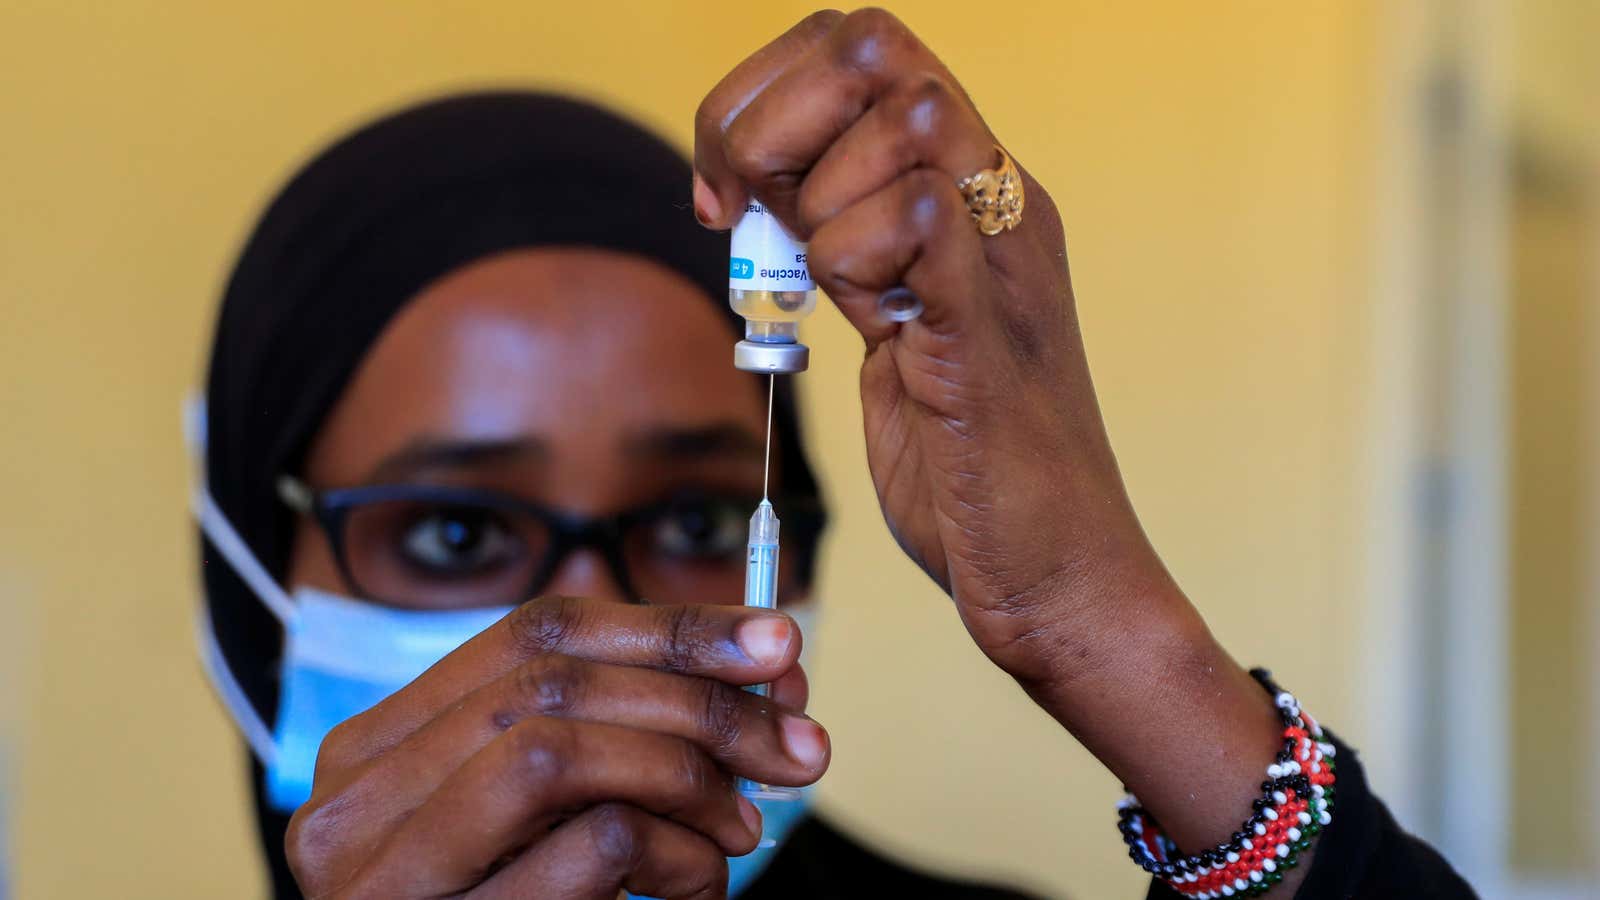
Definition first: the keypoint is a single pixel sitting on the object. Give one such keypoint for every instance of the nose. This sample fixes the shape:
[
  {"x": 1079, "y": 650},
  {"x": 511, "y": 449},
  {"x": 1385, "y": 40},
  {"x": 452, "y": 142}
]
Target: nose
[{"x": 585, "y": 573}]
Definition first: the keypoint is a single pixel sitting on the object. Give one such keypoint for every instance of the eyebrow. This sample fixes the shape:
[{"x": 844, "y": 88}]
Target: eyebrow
[
  {"x": 447, "y": 453},
  {"x": 725, "y": 439},
  {"x": 722, "y": 439}
]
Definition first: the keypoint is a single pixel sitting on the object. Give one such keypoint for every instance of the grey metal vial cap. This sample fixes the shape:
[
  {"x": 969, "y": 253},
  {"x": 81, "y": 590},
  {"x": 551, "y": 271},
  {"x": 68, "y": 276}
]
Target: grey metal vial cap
[{"x": 781, "y": 359}]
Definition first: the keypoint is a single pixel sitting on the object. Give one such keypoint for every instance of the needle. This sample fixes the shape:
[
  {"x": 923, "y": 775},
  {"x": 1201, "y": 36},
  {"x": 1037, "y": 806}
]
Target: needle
[{"x": 766, "y": 464}]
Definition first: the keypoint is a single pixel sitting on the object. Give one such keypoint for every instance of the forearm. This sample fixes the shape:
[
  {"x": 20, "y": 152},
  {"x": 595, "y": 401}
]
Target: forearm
[{"x": 1141, "y": 682}]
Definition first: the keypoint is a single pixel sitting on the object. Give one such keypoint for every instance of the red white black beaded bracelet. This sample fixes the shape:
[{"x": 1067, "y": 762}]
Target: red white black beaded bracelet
[{"x": 1296, "y": 803}]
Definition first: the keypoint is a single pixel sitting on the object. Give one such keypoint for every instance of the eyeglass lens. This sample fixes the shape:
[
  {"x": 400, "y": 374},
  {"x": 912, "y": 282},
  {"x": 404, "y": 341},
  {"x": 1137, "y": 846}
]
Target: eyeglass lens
[{"x": 429, "y": 553}]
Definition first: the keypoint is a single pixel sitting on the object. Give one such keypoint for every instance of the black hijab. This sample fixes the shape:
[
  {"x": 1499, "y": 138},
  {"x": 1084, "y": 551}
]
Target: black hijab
[{"x": 352, "y": 238}]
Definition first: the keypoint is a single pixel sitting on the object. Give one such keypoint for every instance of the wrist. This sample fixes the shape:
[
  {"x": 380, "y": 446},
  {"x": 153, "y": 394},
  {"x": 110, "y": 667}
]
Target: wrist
[
  {"x": 1115, "y": 659},
  {"x": 1147, "y": 689}
]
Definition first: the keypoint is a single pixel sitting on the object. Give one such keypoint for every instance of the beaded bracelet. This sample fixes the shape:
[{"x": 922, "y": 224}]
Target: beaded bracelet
[{"x": 1296, "y": 803}]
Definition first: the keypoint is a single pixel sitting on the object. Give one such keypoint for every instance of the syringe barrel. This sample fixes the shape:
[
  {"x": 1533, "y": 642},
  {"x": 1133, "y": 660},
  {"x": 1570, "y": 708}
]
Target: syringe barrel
[
  {"x": 761, "y": 590},
  {"x": 761, "y": 576}
]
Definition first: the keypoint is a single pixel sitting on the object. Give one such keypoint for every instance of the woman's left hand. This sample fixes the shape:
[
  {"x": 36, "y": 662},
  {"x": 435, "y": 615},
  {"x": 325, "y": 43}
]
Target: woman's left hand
[
  {"x": 985, "y": 441},
  {"x": 983, "y": 434}
]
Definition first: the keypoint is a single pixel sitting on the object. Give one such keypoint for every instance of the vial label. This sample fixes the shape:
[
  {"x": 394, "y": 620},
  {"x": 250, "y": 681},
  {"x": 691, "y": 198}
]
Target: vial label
[{"x": 764, "y": 256}]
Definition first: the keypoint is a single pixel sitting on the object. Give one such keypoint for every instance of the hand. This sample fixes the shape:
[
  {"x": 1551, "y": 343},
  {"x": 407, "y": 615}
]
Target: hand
[
  {"x": 572, "y": 750},
  {"x": 983, "y": 434},
  {"x": 986, "y": 444}
]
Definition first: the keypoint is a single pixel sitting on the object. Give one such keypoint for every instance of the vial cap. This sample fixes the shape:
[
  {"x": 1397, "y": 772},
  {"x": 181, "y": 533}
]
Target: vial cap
[{"x": 782, "y": 359}]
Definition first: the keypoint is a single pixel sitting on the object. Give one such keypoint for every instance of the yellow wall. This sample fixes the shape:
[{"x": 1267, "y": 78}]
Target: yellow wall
[{"x": 1211, "y": 166}]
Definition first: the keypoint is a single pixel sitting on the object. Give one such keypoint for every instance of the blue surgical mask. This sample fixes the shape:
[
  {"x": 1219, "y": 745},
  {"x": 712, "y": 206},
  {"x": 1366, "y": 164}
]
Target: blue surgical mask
[{"x": 342, "y": 655}]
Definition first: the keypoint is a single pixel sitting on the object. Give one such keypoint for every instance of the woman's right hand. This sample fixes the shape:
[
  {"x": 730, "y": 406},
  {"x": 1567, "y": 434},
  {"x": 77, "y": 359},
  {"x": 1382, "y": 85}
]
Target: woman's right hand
[{"x": 574, "y": 749}]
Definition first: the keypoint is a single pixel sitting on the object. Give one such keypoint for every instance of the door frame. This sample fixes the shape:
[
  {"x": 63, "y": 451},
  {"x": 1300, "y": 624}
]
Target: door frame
[{"x": 1436, "y": 659}]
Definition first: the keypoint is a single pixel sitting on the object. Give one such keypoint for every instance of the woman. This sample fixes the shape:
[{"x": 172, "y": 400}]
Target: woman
[{"x": 472, "y": 354}]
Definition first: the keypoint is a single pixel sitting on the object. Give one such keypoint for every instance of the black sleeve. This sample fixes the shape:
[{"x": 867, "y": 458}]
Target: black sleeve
[
  {"x": 819, "y": 862},
  {"x": 1364, "y": 854}
]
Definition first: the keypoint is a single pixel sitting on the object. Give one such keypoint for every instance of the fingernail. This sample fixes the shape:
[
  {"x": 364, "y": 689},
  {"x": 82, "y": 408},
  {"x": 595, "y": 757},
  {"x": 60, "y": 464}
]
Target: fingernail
[
  {"x": 751, "y": 815},
  {"x": 764, "y": 639},
  {"x": 899, "y": 304},
  {"x": 706, "y": 207},
  {"x": 805, "y": 741}
]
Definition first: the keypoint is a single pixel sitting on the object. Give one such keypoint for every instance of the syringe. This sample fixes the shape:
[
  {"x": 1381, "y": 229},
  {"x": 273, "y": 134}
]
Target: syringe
[
  {"x": 770, "y": 286},
  {"x": 761, "y": 590}
]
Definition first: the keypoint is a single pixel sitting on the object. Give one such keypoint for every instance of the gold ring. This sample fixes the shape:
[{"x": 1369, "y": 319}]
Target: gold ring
[{"x": 994, "y": 196}]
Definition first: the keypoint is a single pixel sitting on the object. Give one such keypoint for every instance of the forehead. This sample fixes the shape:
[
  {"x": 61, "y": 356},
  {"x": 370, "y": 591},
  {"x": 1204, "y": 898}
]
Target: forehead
[{"x": 578, "y": 347}]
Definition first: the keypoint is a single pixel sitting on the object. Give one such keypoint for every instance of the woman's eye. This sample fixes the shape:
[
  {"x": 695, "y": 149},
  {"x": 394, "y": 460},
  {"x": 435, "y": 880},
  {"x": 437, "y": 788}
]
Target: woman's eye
[
  {"x": 458, "y": 541},
  {"x": 700, "y": 531}
]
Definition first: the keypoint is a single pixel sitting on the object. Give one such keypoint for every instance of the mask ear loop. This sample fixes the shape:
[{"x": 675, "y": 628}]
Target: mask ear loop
[
  {"x": 240, "y": 709},
  {"x": 216, "y": 526},
  {"x": 222, "y": 535},
  {"x": 220, "y": 532}
]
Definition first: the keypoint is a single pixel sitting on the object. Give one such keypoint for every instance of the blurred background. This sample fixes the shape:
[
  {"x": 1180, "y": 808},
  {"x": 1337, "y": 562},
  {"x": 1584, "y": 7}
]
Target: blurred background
[{"x": 1337, "y": 262}]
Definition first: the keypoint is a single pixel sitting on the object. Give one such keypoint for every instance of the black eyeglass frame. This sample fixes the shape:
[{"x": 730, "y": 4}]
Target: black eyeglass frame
[{"x": 803, "y": 521}]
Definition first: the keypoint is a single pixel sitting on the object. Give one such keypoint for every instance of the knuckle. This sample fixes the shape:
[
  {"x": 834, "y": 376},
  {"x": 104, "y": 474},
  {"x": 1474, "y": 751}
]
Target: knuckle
[
  {"x": 869, "y": 38},
  {"x": 709, "y": 115},
  {"x": 616, "y": 832},
  {"x": 715, "y": 114},
  {"x": 543, "y": 625},
  {"x": 924, "y": 102},
  {"x": 721, "y": 716},
  {"x": 821, "y": 21},
  {"x": 301, "y": 845},
  {"x": 827, "y": 254},
  {"x": 757, "y": 161},
  {"x": 687, "y": 641},
  {"x": 748, "y": 159},
  {"x": 544, "y": 751},
  {"x": 550, "y": 685},
  {"x": 312, "y": 843}
]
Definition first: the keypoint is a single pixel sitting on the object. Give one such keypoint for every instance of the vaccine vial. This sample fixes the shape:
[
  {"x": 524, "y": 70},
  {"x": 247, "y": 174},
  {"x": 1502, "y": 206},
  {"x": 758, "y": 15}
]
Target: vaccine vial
[{"x": 769, "y": 285}]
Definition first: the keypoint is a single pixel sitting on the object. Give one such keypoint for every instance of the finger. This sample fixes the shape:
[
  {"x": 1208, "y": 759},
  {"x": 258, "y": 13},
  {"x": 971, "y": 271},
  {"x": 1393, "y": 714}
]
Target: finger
[
  {"x": 740, "y": 645},
  {"x": 744, "y": 733},
  {"x": 514, "y": 791},
  {"x": 719, "y": 196},
  {"x": 786, "y": 128},
  {"x": 609, "y": 848},
  {"x": 916, "y": 232},
  {"x": 923, "y": 121}
]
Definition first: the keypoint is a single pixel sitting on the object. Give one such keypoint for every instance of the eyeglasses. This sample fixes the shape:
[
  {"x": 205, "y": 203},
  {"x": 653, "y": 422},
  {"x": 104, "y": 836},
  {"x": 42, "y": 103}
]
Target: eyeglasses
[{"x": 418, "y": 545}]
